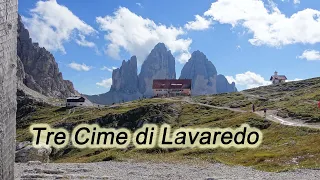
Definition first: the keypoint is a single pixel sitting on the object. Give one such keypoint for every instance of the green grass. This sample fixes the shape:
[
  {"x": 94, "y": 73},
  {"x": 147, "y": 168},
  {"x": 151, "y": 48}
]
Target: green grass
[
  {"x": 58, "y": 115},
  {"x": 283, "y": 147},
  {"x": 227, "y": 99},
  {"x": 294, "y": 99}
]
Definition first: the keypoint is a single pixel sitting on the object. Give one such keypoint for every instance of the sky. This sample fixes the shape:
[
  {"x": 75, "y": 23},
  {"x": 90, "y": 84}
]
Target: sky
[{"x": 246, "y": 40}]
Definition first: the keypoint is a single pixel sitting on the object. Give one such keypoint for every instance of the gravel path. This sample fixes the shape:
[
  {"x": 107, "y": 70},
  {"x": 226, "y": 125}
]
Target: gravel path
[
  {"x": 147, "y": 170},
  {"x": 271, "y": 115}
]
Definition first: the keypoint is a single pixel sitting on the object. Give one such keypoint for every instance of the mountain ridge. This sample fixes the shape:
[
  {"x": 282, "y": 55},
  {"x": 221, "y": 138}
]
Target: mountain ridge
[
  {"x": 160, "y": 64},
  {"x": 37, "y": 68}
]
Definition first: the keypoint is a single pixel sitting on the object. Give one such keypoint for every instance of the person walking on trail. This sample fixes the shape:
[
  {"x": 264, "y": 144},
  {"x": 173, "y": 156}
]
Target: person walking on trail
[
  {"x": 253, "y": 108},
  {"x": 265, "y": 112},
  {"x": 319, "y": 104}
]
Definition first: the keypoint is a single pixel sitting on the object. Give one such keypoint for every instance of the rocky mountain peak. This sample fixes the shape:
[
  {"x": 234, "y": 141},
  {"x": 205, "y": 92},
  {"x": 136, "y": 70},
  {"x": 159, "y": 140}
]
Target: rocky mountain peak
[
  {"x": 198, "y": 54},
  {"x": 125, "y": 79},
  {"x": 124, "y": 85},
  {"x": 160, "y": 47},
  {"x": 160, "y": 64},
  {"x": 41, "y": 72},
  {"x": 204, "y": 75},
  {"x": 198, "y": 65}
]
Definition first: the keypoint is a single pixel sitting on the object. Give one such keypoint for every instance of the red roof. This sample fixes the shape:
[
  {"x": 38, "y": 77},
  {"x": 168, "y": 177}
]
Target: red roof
[
  {"x": 280, "y": 77},
  {"x": 171, "y": 84}
]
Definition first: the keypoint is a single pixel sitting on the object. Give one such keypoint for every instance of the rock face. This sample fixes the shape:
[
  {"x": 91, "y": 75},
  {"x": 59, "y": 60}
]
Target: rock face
[
  {"x": 8, "y": 86},
  {"x": 124, "y": 85},
  {"x": 25, "y": 152},
  {"x": 41, "y": 72},
  {"x": 127, "y": 86},
  {"x": 223, "y": 85},
  {"x": 160, "y": 64},
  {"x": 21, "y": 75},
  {"x": 125, "y": 79},
  {"x": 27, "y": 102},
  {"x": 204, "y": 76}
]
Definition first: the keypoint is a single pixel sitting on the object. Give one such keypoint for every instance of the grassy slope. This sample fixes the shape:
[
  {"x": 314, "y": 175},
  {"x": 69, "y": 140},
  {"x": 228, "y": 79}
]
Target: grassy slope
[
  {"x": 283, "y": 147},
  {"x": 294, "y": 99}
]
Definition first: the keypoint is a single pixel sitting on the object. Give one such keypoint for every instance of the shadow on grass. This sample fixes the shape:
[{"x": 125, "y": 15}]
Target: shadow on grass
[{"x": 62, "y": 109}]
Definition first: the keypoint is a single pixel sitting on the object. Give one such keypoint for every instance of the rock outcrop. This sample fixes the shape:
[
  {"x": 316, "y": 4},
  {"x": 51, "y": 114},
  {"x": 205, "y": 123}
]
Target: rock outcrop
[
  {"x": 38, "y": 69},
  {"x": 25, "y": 152},
  {"x": 124, "y": 85},
  {"x": 204, "y": 76},
  {"x": 28, "y": 101},
  {"x": 160, "y": 64},
  {"x": 21, "y": 75}
]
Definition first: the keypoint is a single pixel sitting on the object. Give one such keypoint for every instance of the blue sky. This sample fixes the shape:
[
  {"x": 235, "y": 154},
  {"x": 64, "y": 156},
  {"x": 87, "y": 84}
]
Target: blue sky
[{"x": 247, "y": 40}]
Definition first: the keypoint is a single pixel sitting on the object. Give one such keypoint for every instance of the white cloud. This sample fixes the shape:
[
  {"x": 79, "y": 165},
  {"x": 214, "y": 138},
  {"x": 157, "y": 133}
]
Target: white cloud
[
  {"x": 105, "y": 83},
  {"x": 51, "y": 25},
  {"x": 79, "y": 67},
  {"x": 267, "y": 23},
  {"x": 294, "y": 1},
  {"x": 310, "y": 55},
  {"x": 252, "y": 80},
  {"x": 128, "y": 31},
  {"x": 83, "y": 42},
  {"x": 200, "y": 23},
  {"x": 108, "y": 69},
  {"x": 184, "y": 57},
  {"x": 248, "y": 79},
  {"x": 139, "y": 4},
  {"x": 238, "y": 47}
]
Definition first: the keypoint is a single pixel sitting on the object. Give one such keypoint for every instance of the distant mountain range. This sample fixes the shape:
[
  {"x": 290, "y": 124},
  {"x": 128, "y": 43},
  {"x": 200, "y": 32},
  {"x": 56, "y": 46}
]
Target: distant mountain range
[
  {"x": 127, "y": 85},
  {"x": 38, "y": 70}
]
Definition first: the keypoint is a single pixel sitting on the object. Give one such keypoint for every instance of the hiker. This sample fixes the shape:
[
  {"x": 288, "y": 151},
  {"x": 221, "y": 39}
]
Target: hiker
[
  {"x": 265, "y": 112},
  {"x": 253, "y": 108},
  {"x": 319, "y": 104}
]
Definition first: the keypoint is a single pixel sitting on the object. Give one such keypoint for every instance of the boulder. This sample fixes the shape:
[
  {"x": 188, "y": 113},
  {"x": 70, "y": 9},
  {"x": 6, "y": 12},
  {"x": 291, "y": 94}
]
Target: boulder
[{"x": 25, "y": 152}]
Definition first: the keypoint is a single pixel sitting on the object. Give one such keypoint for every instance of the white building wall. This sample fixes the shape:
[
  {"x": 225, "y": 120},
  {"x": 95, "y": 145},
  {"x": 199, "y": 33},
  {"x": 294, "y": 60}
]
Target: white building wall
[{"x": 75, "y": 104}]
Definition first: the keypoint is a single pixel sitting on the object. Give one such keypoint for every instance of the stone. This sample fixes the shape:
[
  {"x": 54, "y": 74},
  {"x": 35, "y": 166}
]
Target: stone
[
  {"x": 33, "y": 163},
  {"x": 8, "y": 86},
  {"x": 21, "y": 145},
  {"x": 203, "y": 74},
  {"x": 29, "y": 153},
  {"x": 20, "y": 70},
  {"x": 160, "y": 64}
]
